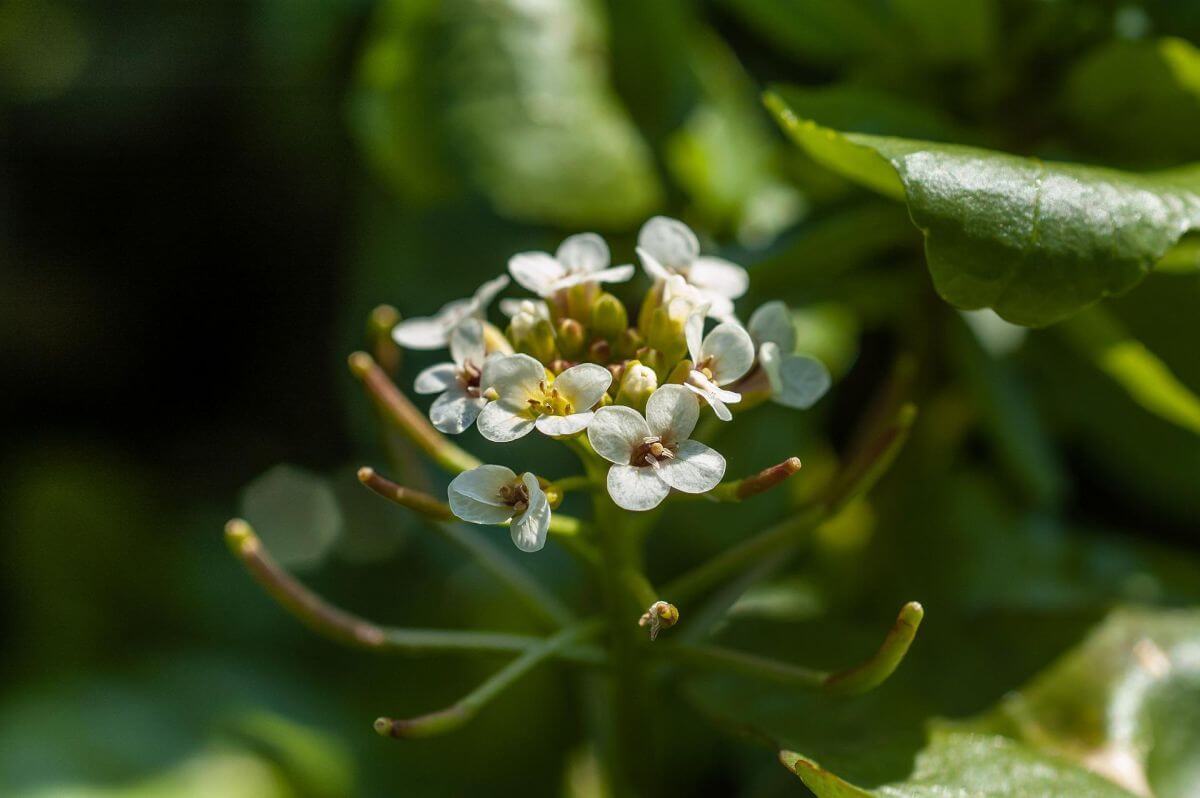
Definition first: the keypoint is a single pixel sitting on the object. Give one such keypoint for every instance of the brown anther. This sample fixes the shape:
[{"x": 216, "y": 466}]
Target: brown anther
[{"x": 520, "y": 506}]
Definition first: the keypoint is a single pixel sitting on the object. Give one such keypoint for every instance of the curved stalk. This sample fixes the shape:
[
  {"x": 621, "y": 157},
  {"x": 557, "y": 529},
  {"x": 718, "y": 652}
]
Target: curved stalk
[
  {"x": 402, "y": 414},
  {"x": 466, "y": 708},
  {"x": 748, "y": 487},
  {"x": 345, "y": 627}
]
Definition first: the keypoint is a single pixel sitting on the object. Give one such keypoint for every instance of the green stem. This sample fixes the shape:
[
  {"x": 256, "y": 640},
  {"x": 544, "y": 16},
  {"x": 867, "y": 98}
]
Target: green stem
[
  {"x": 344, "y": 627},
  {"x": 578, "y": 482},
  {"x": 463, "y": 710},
  {"x": 404, "y": 416}
]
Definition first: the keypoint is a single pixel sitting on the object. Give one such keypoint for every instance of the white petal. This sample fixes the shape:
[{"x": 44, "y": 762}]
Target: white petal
[
  {"x": 455, "y": 410},
  {"x": 772, "y": 323},
  {"x": 731, "y": 350},
  {"x": 529, "y": 529},
  {"x": 669, "y": 241},
  {"x": 634, "y": 488},
  {"x": 583, "y": 385},
  {"x": 695, "y": 469},
  {"x": 802, "y": 381},
  {"x": 513, "y": 376},
  {"x": 716, "y": 398},
  {"x": 617, "y": 274},
  {"x": 693, "y": 332},
  {"x": 475, "y": 495},
  {"x": 615, "y": 431},
  {"x": 563, "y": 425},
  {"x": 466, "y": 342},
  {"x": 585, "y": 252},
  {"x": 536, "y": 271},
  {"x": 423, "y": 332},
  {"x": 654, "y": 270},
  {"x": 672, "y": 413},
  {"x": 717, "y": 306},
  {"x": 485, "y": 293},
  {"x": 499, "y": 423},
  {"x": 719, "y": 276},
  {"x": 436, "y": 378}
]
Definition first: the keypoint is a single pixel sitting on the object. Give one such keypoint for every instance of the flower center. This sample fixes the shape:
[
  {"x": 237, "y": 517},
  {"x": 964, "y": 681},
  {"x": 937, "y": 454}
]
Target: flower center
[
  {"x": 549, "y": 402},
  {"x": 468, "y": 378},
  {"x": 651, "y": 451},
  {"x": 516, "y": 496}
]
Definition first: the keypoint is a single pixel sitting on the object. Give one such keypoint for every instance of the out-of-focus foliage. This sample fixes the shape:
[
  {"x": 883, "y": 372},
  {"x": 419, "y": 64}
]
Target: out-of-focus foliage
[{"x": 206, "y": 199}]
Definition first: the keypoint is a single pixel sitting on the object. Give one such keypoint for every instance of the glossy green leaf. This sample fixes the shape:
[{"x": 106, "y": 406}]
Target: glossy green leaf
[
  {"x": 968, "y": 765},
  {"x": 1120, "y": 704},
  {"x": 1034, "y": 241}
]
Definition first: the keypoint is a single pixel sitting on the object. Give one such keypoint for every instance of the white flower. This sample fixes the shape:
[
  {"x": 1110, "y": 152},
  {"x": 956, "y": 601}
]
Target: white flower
[
  {"x": 526, "y": 397},
  {"x": 433, "y": 332},
  {"x": 796, "y": 380},
  {"x": 457, "y": 382},
  {"x": 493, "y": 494},
  {"x": 581, "y": 258},
  {"x": 723, "y": 357},
  {"x": 533, "y": 308},
  {"x": 651, "y": 455},
  {"x": 668, "y": 246}
]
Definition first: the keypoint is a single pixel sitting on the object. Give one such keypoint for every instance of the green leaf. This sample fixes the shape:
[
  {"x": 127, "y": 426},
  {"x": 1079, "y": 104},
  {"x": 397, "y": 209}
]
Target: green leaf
[
  {"x": 969, "y": 765},
  {"x": 1034, "y": 241},
  {"x": 1120, "y": 704},
  {"x": 1146, "y": 378}
]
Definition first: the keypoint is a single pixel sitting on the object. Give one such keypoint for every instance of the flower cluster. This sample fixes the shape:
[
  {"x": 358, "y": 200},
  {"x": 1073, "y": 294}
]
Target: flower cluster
[{"x": 574, "y": 364}]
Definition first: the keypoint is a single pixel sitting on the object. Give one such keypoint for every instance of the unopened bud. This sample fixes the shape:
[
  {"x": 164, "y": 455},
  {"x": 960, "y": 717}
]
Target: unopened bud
[
  {"x": 637, "y": 383},
  {"x": 652, "y": 359},
  {"x": 666, "y": 334},
  {"x": 579, "y": 300},
  {"x": 599, "y": 352},
  {"x": 495, "y": 341},
  {"x": 661, "y": 615},
  {"x": 570, "y": 338},
  {"x": 679, "y": 374},
  {"x": 627, "y": 344},
  {"x": 609, "y": 318},
  {"x": 533, "y": 336}
]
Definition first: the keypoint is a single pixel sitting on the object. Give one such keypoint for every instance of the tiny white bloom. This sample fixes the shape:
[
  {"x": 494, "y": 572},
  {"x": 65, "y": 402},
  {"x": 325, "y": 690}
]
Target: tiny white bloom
[
  {"x": 796, "y": 380},
  {"x": 653, "y": 454},
  {"x": 722, "y": 357},
  {"x": 493, "y": 494},
  {"x": 433, "y": 332},
  {"x": 581, "y": 258},
  {"x": 458, "y": 382},
  {"x": 533, "y": 308},
  {"x": 526, "y": 397},
  {"x": 668, "y": 246}
]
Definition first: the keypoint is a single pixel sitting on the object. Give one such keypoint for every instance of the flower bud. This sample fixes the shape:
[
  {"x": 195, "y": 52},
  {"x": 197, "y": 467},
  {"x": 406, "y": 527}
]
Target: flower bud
[
  {"x": 666, "y": 334},
  {"x": 580, "y": 299},
  {"x": 570, "y": 338},
  {"x": 661, "y": 615},
  {"x": 679, "y": 374},
  {"x": 495, "y": 341},
  {"x": 637, "y": 383},
  {"x": 609, "y": 318},
  {"x": 652, "y": 359},
  {"x": 533, "y": 336},
  {"x": 627, "y": 344},
  {"x": 599, "y": 352}
]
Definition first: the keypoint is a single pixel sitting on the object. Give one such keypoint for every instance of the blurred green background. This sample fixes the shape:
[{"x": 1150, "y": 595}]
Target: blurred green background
[{"x": 202, "y": 202}]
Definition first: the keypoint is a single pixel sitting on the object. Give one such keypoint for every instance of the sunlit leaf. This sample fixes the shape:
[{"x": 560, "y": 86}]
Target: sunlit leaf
[{"x": 1034, "y": 241}]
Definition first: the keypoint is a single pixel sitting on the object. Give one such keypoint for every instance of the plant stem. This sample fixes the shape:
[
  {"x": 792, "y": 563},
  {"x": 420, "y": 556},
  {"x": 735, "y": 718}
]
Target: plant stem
[
  {"x": 466, "y": 708},
  {"x": 404, "y": 416},
  {"x": 344, "y": 627}
]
